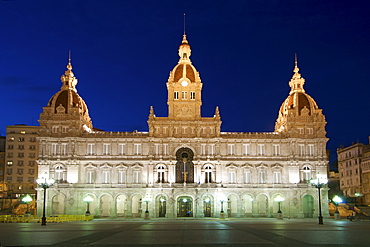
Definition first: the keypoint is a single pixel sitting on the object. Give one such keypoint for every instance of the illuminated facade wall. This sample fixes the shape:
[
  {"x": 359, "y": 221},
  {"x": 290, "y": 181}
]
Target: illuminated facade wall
[{"x": 185, "y": 163}]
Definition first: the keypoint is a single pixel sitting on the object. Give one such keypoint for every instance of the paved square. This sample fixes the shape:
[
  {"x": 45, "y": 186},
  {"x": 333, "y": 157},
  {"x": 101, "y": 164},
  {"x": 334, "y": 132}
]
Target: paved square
[{"x": 188, "y": 232}]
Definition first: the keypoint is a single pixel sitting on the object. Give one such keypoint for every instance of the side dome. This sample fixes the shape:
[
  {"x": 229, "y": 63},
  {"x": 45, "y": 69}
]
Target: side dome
[
  {"x": 66, "y": 112},
  {"x": 299, "y": 115}
]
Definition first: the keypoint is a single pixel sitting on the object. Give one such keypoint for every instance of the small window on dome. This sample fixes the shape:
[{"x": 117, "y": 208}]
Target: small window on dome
[{"x": 192, "y": 95}]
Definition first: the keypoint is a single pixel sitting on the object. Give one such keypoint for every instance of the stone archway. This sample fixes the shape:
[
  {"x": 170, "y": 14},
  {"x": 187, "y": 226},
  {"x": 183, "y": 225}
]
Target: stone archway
[
  {"x": 307, "y": 204},
  {"x": 184, "y": 166},
  {"x": 184, "y": 206},
  {"x": 58, "y": 204}
]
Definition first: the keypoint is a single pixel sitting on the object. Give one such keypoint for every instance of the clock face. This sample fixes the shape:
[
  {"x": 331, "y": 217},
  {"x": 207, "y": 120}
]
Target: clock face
[{"x": 184, "y": 83}]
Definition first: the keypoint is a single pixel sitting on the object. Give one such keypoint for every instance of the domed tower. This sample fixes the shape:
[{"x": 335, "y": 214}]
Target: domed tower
[
  {"x": 299, "y": 115},
  {"x": 184, "y": 102},
  {"x": 66, "y": 112}
]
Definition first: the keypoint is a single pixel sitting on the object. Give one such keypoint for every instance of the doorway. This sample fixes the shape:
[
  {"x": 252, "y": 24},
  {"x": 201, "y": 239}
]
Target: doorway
[{"x": 184, "y": 206}]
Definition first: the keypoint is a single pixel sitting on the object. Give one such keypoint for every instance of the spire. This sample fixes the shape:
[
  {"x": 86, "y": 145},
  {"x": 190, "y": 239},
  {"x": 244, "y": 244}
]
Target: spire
[
  {"x": 68, "y": 79},
  {"x": 297, "y": 81},
  {"x": 184, "y": 49}
]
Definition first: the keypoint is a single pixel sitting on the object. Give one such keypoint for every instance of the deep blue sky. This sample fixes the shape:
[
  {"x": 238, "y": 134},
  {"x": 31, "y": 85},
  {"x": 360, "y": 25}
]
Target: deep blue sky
[{"x": 122, "y": 52}]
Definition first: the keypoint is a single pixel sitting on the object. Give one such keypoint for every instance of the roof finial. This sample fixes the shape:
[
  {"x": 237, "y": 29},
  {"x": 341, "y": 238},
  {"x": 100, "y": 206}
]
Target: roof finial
[
  {"x": 296, "y": 69},
  {"x": 184, "y": 23},
  {"x": 69, "y": 65}
]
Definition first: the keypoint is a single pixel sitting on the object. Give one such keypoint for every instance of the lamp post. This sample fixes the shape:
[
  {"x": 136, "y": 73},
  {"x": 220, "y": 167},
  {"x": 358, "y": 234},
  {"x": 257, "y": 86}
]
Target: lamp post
[
  {"x": 147, "y": 199},
  {"x": 27, "y": 199},
  {"x": 319, "y": 183},
  {"x": 337, "y": 200},
  {"x": 44, "y": 183},
  {"x": 279, "y": 199},
  {"x": 222, "y": 200},
  {"x": 88, "y": 199}
]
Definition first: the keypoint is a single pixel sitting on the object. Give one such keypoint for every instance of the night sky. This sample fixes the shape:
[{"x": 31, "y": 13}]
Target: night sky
[{"x": 123, "y": 51}]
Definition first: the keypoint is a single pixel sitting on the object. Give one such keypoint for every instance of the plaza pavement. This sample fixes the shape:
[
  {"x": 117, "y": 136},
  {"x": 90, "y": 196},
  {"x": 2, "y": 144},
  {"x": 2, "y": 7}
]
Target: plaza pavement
[{"x": 188, "y": 232}]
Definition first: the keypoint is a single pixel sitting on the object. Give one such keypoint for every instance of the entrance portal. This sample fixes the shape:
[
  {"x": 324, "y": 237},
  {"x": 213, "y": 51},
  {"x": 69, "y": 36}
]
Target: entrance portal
[
  {"x": 184, "y": 166},
  {"x": 184, "y": 206}
]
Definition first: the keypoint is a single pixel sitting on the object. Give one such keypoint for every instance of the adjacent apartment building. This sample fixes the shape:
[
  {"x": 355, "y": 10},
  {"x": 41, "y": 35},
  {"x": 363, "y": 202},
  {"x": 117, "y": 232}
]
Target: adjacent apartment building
[
  {"x": 20, "y": 170},
  {"x": 354, "y": 171}
]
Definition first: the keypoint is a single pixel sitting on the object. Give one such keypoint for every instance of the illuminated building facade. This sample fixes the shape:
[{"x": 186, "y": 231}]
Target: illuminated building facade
[
  {"x": 354, "y": 171},
  {"x": 20, "y": 171},
  {"x": 184, "y": 163}
]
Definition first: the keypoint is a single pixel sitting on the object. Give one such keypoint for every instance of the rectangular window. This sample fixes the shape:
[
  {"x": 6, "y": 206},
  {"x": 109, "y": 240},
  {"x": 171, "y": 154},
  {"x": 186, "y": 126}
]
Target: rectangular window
[
  {"x": 261, "y": 149},
  {"x": 9, "y": 171},
  {"x": 121, "y": 177},
  {"x": 32, "y": 155},
  {"x": 106, "y": 149},
  {"x": 64, "y": 129},
  {"x": 31, "y": 179},
  {"x": 231, "y": 149},
  {"x": 20, "y": 155},
  {"x": 55, "y": 129},
  {"x": 310, "y": 131},
  {"x": 21, "y": 139},
  {"x": 32, "y": 147},
  {"x": 9, "y": 178},
  {"x": 310, "y": 150},
  {"x": 90, "y": 148},
  {"x": 21, "y": 147},
  {"x": 192, "y": 95},
  {"x": 122, "y": 148},
  {"x": 19, "y": 179},
  {"x": 137, "y": 148},
  {"x": 300, "y": 131},
  {"x": 20, "y": 162},
  {"x": 54, "y": 148},
  {"x": 232, "y": 177},
  {"x": 277, "y": 177},
  {"x": 10, "y": 146},
  {"x": 276, "y": 150},
  {"x": 184, "y": 95},
  {"x": 301, "y": 149},
  {"x": 9, "y": 163},
  {"x": 10, "y": 155},
  {"x": 211, "y": 149},
  {"x": 32, "y": 139},
  {"x": 245, "y": 149},
  {"x": 262, "y": 177},
  {"x": 165, "y": 147},
  {"x": 203, "y": 149},
  {"x": 247, "y": 177},
  {"x": 176, "y": 95},
  {"x": 31, "y": 163},
  {"x": 20, "y": 171},
  {"x": 90, "y": 177},
  {"x": 106, "y": 177},
  {"x": 156, "y": 149},
  {"x": 136, "y": 177},
  {"x": 31, "y": 171},
  {"x": 63, "y": 149}
]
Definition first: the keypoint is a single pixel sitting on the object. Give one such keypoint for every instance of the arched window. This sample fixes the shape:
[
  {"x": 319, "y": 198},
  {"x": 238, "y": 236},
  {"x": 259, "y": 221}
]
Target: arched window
[
  {"x": 306, "y": 173},
  {"x": 208, "y": 174},
  {"x": 160, "y": 174},
  {"x": 59, "y": 174}
]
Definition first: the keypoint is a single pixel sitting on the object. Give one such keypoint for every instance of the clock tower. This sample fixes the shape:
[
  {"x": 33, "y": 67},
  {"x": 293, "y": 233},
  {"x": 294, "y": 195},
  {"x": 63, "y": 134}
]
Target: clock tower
[{"x": 184, "y": 101}]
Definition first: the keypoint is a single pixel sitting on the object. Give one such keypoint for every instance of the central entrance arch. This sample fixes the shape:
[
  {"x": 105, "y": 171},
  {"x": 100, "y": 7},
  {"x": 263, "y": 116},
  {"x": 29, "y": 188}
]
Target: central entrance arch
[
  {"x": 184, "y": 206},
  {"x": 184, "y": 166}
]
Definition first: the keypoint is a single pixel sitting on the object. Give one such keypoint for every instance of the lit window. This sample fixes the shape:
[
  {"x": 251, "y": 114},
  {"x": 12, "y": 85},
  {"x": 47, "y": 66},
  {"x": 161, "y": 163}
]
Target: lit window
[{"x": 192, "y": 95}]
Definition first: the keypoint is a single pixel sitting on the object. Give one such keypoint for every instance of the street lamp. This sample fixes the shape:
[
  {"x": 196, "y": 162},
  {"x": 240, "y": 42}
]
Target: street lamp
[
  {"x": 222, "y": 200},
  {"x": 27, "y": 199},
  {"x": 147, "y": 199},
  {"x": 319, "y": 183},
  {"x": 88, "y": 199},
  {"x": 337, "y": 200},
  {"x": 44, "y": 183},
  {"x": 279, "y": 199}
]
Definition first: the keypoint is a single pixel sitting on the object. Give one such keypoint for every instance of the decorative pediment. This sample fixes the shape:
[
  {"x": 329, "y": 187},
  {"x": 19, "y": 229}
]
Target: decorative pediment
[
  {"x": 91, "y": 166},
  {"x": 277, "y": 166},
  {"x": 121, "y": 166},
  {"x": 106, "y": 166},
  {"x": 137, "y": 166},
  {"x": 231, "y": 165},
  {"x": 262, "y": 166}
]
